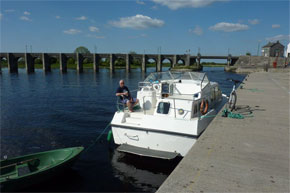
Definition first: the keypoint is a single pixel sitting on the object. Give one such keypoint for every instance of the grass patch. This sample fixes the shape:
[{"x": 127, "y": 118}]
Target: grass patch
[{"x": 193, "y": 68}]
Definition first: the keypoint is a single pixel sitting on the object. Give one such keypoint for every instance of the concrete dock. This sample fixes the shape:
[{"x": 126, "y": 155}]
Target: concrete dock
[{"x": 242, "y": 155}]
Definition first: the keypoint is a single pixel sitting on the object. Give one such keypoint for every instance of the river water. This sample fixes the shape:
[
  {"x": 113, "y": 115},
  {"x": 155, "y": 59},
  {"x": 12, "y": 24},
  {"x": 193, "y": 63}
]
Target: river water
[{"x": 42, "y": 112}]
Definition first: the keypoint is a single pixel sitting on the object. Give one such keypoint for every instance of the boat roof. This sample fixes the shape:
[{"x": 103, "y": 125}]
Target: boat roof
[{"x": 159, "y": 76}]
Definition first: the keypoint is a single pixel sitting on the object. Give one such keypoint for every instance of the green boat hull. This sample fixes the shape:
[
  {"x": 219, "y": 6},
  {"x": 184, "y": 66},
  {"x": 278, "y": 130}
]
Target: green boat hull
[{"x": 22, "y": 172}]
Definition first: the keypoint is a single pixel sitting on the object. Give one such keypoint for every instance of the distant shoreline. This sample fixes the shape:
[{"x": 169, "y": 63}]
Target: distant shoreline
[{"x": 90, "y": 65}]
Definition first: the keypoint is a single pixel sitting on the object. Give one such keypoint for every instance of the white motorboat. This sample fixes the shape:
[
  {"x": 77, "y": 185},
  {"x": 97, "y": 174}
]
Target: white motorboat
[{"x": 176, "y": 107}]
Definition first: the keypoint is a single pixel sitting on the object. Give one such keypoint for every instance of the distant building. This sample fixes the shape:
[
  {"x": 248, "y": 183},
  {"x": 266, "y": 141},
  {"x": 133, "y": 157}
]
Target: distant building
[
  {"x": 288, "y": 51},
  {"x": 273, "y": 49}
]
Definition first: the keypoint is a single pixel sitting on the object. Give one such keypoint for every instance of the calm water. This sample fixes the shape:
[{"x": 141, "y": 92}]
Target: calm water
[{"x": 49, "y": 111}]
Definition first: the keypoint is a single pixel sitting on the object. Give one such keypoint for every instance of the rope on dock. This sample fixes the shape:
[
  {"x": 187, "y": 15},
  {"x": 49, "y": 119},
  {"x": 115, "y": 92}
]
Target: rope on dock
[{"x": 227, "y": 113}]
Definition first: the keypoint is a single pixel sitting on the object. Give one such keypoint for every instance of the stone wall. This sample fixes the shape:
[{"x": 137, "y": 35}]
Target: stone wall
[{"x": 257, "y": 63}]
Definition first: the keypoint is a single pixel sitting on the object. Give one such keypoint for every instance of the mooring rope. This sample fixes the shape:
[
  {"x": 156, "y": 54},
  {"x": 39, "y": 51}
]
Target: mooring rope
[{"x": 97, "y": 139}]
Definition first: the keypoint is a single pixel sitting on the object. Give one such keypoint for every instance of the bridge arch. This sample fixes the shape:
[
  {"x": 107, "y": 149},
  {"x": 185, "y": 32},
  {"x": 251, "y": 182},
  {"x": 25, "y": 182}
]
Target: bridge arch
[
  {"x": 120, "y": 62},
  {"x": 20, "y": 61},
  {"x": 3, "y": 61},
  {"x": 37, "y": 61},
  {"x": 166, "y": 63},
  {"x": 180, "y": 62},
  {"x": 152, "y": 62}
]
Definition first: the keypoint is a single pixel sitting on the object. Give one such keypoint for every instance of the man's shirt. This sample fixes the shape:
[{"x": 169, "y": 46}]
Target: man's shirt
[{"x": 122, "y": 90}]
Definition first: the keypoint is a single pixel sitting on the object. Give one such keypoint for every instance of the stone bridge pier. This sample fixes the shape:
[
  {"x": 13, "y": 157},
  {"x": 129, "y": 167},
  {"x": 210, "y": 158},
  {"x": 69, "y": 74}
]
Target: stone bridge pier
[
  {"x": 12, "y": 63},
  {"x": 29, "y": 63}
]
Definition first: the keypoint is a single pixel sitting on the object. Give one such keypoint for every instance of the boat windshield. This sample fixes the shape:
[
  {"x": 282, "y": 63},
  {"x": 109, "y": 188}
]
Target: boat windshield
[{"x": 159, "y": 76}]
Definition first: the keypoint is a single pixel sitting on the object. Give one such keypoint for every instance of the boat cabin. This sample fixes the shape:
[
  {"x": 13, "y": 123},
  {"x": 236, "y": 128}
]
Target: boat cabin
[{"x": 177, "y": 94}]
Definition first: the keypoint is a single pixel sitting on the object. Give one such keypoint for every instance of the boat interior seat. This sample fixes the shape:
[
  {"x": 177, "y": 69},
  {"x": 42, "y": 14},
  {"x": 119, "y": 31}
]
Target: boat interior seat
[
  {"x": 9, "y": 171},
  {"x": 33, "y": 165}
]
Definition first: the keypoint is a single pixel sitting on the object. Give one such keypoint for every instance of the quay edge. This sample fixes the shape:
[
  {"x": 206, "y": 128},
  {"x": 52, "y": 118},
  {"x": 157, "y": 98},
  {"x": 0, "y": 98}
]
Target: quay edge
[{"x": 242, "y": 155}]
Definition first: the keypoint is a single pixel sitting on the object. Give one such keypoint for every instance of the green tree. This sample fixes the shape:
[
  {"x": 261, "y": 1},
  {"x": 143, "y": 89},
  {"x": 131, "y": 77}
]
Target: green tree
[
  {"x": 120, "y": 62},
  {"x": 71, "y": 61},
  {"x": 248, "y": 54},
  {"x": 38, "y": 61},
  {"x": 132, "y": 52},
  {"x": 82, "y": 50}
]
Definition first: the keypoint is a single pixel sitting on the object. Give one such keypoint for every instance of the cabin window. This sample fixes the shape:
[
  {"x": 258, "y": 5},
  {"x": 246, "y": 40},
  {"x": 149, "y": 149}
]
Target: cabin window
[{"x": 163, "y": 108}]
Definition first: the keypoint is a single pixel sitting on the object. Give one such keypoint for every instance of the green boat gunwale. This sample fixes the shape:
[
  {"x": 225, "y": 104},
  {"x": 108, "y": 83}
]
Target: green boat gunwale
[{"x": 74, "y": 151}]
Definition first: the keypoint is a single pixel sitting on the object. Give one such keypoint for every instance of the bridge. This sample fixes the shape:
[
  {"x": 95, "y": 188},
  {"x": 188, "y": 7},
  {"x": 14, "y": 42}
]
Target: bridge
[{"x": 29, "y": 59}]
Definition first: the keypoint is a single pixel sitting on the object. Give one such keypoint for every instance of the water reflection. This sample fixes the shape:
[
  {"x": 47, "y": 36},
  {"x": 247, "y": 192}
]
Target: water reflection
[{"x": 142, "y": 172}]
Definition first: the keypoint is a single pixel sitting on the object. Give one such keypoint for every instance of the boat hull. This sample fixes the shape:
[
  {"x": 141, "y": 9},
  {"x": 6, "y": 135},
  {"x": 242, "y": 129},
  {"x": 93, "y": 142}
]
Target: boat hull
[
  {"x": 172, "y": 135},
  {"x": 168, "y": 142}
]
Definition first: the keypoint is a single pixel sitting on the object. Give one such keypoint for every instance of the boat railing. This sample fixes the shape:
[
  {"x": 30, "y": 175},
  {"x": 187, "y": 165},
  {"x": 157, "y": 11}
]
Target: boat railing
[
  {"x": 174, "y": 107},
  {"x": 120, "y": 106}
]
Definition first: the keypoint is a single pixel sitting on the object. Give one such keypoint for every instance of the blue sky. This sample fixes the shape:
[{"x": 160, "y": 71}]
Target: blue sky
[{"x": 213, "y": 26}]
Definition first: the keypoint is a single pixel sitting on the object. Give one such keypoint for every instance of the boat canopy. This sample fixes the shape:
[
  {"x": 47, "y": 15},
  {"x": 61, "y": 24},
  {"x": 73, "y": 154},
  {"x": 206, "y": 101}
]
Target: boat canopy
[{"x": 159, "y": 76}]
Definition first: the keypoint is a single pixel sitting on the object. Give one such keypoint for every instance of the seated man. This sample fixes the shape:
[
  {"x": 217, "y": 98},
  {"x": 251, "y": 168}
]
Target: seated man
[{"x": 125, "y": 96}]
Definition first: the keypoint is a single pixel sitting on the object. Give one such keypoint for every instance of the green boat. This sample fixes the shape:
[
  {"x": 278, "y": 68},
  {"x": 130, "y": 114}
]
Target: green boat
[{"x": 22, "y": 172}]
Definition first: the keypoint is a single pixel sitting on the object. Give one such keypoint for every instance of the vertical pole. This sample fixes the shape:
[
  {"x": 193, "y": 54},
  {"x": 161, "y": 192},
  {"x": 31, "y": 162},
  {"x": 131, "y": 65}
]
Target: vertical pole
[
  {"x": 198, "y": 60},
  {"x": 79, "y": 62},
  {"x": 29, "y": 63},
  {"x": 112, "y": 63},
  {"x": 187, "y": 62},
  {"x": 96, "y": 59},
  {"x": 229, "y": 60},
  {"x": 128, "y": 63},
  {"x": 159, "y": 63},
  {"x": 0, "y": 65},
  {"x": 144, "y": 62},
  {"x": 174, "y": 61},
  {"x": 12, "y": 63}
]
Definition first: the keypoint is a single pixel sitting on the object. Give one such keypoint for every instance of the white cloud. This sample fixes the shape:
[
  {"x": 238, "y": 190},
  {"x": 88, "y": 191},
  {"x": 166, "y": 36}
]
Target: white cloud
[
  {"x": 72, "y": 31},
  {"x": 176, "y": 4},
  {"x": 57, "y": 17},
  {"x": 278, "y": 38},
  {"x": 9, "y": 10},
  {"x": 81, "y": 18},
  {"x": 95, "y": 36},
  {"x": 140, "y": 2},
  {"x": 25, "y": 18},
  {"x": 143, "y": 35},
  {"x": 229, "y": 27},
  {"x": 138, "y": 36},
  {"x": 197, "y": 30},
  {"x": 155, "y": 7},
  {"x": 276, "y": 26},
  {"x": 138, "y": 22},
  {"x": 26, "y": 13},
  {"x": 254, "y": 21},
  {"x": 94, "y": 29}
]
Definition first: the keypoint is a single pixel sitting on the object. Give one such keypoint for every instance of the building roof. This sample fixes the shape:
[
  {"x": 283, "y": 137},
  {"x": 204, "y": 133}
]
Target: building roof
[{"x": 271, "y": 44}]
